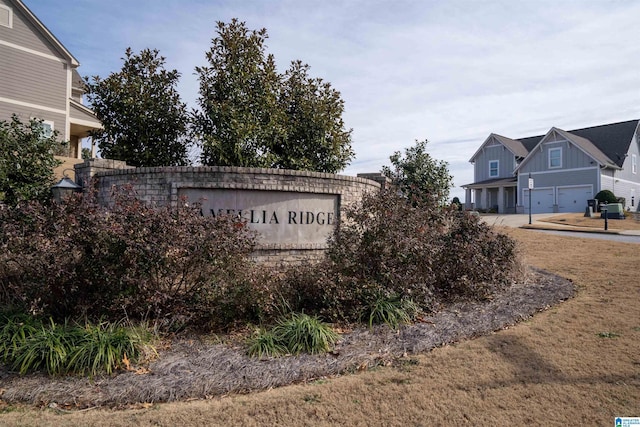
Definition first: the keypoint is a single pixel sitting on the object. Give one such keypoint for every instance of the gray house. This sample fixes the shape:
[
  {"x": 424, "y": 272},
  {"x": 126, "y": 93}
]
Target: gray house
[
  {"x": 567, "y": 168},
  {"x": 39, "y": 77}
]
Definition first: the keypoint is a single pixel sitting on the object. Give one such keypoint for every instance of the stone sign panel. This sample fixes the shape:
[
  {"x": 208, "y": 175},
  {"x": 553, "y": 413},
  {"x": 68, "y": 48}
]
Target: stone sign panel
[{"x": 280, "y": 217}]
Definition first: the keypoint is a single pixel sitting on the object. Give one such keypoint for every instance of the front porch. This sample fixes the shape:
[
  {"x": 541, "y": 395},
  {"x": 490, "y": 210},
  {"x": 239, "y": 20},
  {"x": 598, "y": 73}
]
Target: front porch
[{"x": 495, "y": 195}]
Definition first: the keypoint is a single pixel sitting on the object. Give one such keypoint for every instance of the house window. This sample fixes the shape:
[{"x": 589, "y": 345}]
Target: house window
[
  {"x": 47, "y": 128},
  {"x": 6, "y": 16},
  {"x": 634, "y": 163},
  {"x": 493, "y": 168},
  {"x": 555, "y": 158}
]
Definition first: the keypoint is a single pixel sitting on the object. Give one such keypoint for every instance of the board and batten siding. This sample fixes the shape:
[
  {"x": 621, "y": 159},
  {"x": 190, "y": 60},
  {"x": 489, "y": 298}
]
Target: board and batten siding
[
  {"x": 572, "y": 158},
  {"x": 24, "y": 34},
  {"x": 494, "y": 151}
]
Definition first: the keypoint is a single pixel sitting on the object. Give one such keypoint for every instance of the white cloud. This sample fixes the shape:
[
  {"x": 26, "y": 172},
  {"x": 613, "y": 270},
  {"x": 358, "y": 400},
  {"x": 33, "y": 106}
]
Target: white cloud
[{"x": 451, "y": 72}]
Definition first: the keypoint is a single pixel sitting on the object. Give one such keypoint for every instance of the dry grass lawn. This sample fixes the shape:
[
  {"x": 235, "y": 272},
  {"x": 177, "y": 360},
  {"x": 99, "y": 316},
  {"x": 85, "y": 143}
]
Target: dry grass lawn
[
  {"x": 577, "y": 363},
  {"x": 578, "y": 220}
]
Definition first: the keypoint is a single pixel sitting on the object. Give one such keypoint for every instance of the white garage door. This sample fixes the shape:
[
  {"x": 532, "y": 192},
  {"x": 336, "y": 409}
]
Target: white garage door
[
  {"x": 574, "y": 199},
  {"x": 541, "y": 202}
]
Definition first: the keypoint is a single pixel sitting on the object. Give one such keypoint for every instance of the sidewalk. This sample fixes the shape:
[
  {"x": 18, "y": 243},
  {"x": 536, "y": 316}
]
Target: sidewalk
[{"x": 522, "y": 221}]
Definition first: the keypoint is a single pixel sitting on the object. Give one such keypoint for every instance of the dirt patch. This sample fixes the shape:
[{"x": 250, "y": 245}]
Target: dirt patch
[{"x": 191, "y": 369}]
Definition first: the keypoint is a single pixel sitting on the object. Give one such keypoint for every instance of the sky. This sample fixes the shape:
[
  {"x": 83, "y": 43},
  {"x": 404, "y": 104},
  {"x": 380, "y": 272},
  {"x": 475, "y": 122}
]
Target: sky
[{"x": 451, "y": 72}]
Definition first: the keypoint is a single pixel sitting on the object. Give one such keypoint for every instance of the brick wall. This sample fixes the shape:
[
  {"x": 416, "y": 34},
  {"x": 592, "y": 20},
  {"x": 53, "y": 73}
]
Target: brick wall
[{"x": 160, "y": 186}]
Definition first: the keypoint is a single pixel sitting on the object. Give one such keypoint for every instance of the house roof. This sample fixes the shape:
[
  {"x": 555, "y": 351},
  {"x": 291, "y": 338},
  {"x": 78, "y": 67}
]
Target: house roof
[
  {"x": 515, "y": 146},
  {"x": 612, "y": 139},
  {"x": 506, "y": 182},
  {"x": 45, "y": 32},
  {"x": 512, "y": 145},
  {"x": 607, "y": 143}
]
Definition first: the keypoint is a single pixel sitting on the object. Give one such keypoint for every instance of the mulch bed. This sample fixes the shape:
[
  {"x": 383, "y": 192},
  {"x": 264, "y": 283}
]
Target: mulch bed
[{"x": 190, "y": 369}]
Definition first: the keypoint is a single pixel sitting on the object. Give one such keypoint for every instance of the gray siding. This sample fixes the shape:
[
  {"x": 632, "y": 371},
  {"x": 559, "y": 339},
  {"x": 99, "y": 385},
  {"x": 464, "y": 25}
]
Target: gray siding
[
  {"x": 26, "y": 113},
  {"x": 572, "y": 158},
  {"x": 626, "y": 172},
  {"x": 505, "y": 158},
  {"x": 76, "y": 113},
  {"x": 31, "y": 78},
  {"x": 24, "y": 34},
  {"x": 624, "y": 183},
  {"x": 565, "y": 178}
]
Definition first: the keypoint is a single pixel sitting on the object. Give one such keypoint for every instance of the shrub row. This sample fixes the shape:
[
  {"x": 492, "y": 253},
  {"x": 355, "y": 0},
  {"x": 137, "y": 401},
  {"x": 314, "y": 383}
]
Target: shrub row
[
  {"x": 387, "y": 249},
  {"x": 387, "y": 260},
  {"x": 81, "y": 260}
]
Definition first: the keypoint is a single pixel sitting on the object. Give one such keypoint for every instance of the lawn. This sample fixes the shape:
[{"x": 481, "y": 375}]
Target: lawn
[
  {"x": 575, "y": 363},
  {"x": 579, "y": 220}
]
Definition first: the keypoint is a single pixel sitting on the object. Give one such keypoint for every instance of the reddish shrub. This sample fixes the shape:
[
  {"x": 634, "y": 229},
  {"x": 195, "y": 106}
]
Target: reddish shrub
[{"x": 81, "y": 259}]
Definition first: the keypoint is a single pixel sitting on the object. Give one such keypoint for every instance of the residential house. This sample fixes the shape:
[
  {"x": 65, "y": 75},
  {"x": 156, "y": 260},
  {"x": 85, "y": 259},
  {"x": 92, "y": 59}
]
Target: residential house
[
  {"x": 566, "y": 168},
  {"x": 39, "y": 78}
]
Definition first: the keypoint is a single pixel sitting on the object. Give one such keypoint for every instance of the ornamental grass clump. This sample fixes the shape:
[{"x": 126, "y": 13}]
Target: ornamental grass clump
[
  {"x": 301, "y": 333},
  {"x": 105, "y": 347},
  {"x": 46, "y": 349},
  {"x": 28, "y": 344},
  {"x": 264, "y": 343},
  {"x": 293, "y": 334},
  {"x": 392, "y": 311}
]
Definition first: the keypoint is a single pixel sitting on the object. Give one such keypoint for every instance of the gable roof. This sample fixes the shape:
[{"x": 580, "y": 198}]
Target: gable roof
[
  {"x": 512, "y": 145},
  {"x": 48, "y": 35},
  {"x": 515, "y": 146},
  {"x": 608, "y": 144},
  {"x": 587, "y": 146},
  {"x": 612, "y": 139}
]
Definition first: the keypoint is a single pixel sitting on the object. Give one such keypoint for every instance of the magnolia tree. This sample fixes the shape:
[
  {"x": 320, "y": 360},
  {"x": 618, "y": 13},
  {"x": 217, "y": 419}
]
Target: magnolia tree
[
  {"x": 420, "y": 177},
  {"x": 252, "y": 116},
  {"x": 144, "y": 121}
]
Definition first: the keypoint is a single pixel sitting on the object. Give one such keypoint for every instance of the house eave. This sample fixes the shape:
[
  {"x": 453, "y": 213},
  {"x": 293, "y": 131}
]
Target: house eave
[{"x": 46, "y": 33}]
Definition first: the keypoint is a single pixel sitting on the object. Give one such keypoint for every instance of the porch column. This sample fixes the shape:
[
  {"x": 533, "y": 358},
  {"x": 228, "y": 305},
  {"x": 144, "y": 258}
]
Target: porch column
[
  {"x": 486, "y": 200},
  {"x": 501, "y": 199}
]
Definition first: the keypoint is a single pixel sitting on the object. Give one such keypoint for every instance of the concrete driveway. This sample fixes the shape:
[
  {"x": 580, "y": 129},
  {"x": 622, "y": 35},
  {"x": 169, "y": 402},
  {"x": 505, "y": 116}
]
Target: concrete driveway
[{"x": 515, "y": 220}]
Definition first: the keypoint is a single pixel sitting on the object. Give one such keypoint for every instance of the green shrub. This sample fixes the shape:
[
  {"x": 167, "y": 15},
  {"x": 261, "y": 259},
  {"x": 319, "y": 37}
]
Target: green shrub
[
  {"x": 27, "y": 344},
  {"x": 103, "y": 348},
  {"x": 392, "y": 311},
  {"x": 265, "y": 343},
  {"x": 301, "y": 333},
  {"x": 47, "y": 348},
  {"x": 606, "y": 196}
]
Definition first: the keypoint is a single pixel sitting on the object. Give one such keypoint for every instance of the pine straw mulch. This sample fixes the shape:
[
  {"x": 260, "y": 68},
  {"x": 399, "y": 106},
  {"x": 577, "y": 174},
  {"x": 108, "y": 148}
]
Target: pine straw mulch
[{"x": 195, "y": 370}]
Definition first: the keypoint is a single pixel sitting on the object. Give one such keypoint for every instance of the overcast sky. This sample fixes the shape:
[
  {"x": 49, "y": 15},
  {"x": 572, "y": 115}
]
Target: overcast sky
[{"x": 451, "y": 72}]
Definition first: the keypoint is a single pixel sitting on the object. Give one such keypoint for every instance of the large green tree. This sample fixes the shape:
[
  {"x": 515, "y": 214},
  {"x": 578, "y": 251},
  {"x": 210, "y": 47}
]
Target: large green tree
[
  {"x": 420, "y": 177},
  {"x": 145, "y": 123},
  {"x": 26, "y": 161},
  {"x": 252, "y": 116},
  {"x": 238, "y": 96},
  {"x": 314, "y": 136}
]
